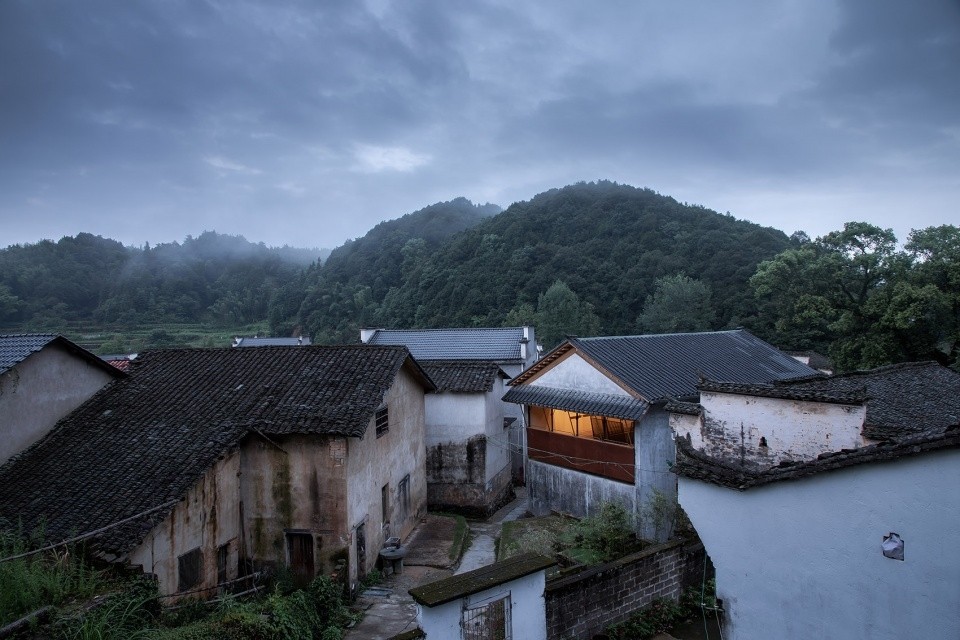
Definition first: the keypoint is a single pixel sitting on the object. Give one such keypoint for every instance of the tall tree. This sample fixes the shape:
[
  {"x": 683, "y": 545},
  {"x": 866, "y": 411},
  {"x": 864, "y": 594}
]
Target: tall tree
[
  {"x": 679, "y": 303},
  {"x": 561, "y": 312}
]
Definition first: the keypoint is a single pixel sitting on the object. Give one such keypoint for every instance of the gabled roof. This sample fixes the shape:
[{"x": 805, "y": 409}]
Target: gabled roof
[
  {"x": 500, "y": 344},
  {"x": 663, "y": 366},
  {"x": 145, "y": 440},
  {"x": 463, "y": 376},
  {"x": 16, "y": 348}
]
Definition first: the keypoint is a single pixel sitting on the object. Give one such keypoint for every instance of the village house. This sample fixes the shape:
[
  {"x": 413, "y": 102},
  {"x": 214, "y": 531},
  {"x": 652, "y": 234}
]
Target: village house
[
  {"x": 829, "y": 505},
  {"x": 206, "y": 464},
  {"x": 597, "y": 427},
  {"x": 474, "y": 439},
  {"x": 501, "y": 600},
  {"x": 43, "y": 377}
]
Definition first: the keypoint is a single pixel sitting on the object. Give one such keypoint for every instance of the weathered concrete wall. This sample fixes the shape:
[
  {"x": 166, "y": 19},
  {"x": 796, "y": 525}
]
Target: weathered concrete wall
[
  {"x": 527, "y": 610},
  {"x": 656, "y": 484},
  {"x": 733, "y": 425},
  {"x": 468, "y": 458},
  {"x": 36, "y": 393},
  {"x": 208, "y": 518},
  {"x": 552, "y": 488},
  {"x": 374, "y": 462},
  {"x": 802, "y": 559},
  {"x": 296, "y": 483},
  {"x": 573, "y": 372},
  {"x": 583, "y": 604}
]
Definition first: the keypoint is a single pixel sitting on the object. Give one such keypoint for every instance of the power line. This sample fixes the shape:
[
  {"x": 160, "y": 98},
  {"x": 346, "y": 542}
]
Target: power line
[{"x": 89, "y": 534}]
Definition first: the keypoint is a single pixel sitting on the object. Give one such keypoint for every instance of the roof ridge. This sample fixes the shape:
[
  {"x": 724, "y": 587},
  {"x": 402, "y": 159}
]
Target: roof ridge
[{"x": 657, "y": 335}]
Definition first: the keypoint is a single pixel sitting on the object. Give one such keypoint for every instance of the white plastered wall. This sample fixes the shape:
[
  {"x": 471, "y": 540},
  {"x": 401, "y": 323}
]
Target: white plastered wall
[{"x": 802, "y": 559}]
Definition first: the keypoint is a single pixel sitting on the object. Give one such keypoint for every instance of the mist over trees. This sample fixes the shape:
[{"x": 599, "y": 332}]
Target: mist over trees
[{"x": 587, "y": 259}]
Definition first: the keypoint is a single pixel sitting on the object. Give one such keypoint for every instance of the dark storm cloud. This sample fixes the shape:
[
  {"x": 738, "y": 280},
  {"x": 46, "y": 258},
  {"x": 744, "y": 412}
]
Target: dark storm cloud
[{"x": 308, "y": 122}]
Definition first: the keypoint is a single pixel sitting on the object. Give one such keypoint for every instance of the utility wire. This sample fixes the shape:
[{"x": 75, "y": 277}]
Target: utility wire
[{"x": 89, "y": 534}]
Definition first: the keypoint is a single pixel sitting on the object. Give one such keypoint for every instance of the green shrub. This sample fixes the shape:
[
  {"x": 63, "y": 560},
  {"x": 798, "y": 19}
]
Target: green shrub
[{"x": 657, "y": 617}]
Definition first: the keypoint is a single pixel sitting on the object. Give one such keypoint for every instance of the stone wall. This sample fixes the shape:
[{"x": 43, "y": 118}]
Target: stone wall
[{"x": 582, "y": 604}]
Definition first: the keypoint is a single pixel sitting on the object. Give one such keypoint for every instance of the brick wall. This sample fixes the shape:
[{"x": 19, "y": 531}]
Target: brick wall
[{"x": 582, "y": 604}]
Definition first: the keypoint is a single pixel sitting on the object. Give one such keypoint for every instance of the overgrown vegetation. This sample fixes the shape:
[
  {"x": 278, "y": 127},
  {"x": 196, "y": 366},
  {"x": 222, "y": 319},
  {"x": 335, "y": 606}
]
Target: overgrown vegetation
[
  {"x": 662, "y": 615},
  {"x": 27, "y": 584},
  {"x": 98, "y": 605},
  {"x": 606, "y": 536}
]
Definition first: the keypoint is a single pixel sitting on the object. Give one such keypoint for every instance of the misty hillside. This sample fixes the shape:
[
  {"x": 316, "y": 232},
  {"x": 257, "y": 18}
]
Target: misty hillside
[
  {"x": 87, "y": 278},
  {"x": 607, "y": 242}
]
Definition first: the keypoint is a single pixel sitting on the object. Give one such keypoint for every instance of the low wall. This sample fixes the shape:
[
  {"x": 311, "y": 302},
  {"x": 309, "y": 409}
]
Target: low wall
[{"x": 582, "y": 604}]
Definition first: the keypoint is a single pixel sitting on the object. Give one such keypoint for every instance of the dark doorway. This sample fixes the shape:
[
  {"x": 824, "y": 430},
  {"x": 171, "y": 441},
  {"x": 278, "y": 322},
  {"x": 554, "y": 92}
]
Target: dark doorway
[
  {"x": 361, "y": 550},
  {"x": 300, "y": 548}
]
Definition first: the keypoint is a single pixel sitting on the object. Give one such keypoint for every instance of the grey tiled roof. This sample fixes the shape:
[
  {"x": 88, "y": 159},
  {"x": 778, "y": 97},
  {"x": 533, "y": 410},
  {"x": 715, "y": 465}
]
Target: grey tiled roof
[
  {"x": 578, "y": 401},
  {"x": 665, "y": 366},
  {"x": 470, "y": 582},
  {"x": 462, "y": 376},
  {"x": 495, "y": 344},
  {"x": 16, "y": 348},
  {"x": 903, "y": 400},
  {"x": 788, "y": 391},
  {"x": 146, "y": 439},
  {"x": 272, "y": 342}
]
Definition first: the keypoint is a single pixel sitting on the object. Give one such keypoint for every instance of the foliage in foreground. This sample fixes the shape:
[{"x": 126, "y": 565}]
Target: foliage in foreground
[
  {"x": 27, "y": 584},
  {"x": 661, "y": 614}
]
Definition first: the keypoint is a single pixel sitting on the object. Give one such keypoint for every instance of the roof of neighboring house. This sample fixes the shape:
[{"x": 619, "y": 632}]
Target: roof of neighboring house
[
  {"x": 145, "y": 440},
  {"x": 699, "y": 466},
  {"x": 814, "y": 359},
  {"x": 257, "y": 341},
  {"x": 585, "y": 402},
  {"x": 501, "y": 344},
  {"x": 463, "y": 376},
  {"x": 16, "y": 348},
  {"x": 786, "y": 391},
  {"x": 906, "y": 399},
  {"x": 660, "y": 367},
  {"x": 471, "y": 582}
]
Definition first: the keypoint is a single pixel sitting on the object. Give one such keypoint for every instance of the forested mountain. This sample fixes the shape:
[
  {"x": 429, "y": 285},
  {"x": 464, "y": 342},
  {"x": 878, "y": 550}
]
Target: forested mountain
[
  {"x": 332, "y": 300},
  {"x": 211, "y": 278},
  {"x": 587, "y": 259},
  {"x": 606, "y": 244}
]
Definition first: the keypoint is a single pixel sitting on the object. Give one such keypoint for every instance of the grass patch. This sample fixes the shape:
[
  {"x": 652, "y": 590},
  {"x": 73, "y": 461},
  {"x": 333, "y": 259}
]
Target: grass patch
[
  {"x": 461, "y": 536},
  {"x": 28, "y": 584},
  {"x": 593, "y": 540}
]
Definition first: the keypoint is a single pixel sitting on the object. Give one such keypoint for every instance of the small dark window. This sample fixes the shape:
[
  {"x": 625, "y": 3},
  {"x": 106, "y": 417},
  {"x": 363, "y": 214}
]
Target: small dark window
[
  {"x": 385, "y": 504},
  {"x": 190, "y": 567},
  {"x": 223, "y": 559},
  {"x": 763, "y": 441},
  {"x": 403, "y": 489},
  {"x": 382, "y": 420}
]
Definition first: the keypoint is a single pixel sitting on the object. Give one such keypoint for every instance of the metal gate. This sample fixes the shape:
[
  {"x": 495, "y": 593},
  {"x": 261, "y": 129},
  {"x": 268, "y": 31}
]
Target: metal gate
[{"x": 488, "y": 621}]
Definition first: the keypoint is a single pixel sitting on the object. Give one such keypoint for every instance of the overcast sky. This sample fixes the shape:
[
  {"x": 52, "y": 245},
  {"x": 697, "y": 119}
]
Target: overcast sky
[{"x": 306, "y": 123}]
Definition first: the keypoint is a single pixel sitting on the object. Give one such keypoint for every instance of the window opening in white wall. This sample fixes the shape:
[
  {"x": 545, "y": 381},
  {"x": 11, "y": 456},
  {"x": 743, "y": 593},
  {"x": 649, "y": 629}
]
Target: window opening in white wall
[
  {"x": 382, "y": 421},
  {"x": 488, "y": 621}
]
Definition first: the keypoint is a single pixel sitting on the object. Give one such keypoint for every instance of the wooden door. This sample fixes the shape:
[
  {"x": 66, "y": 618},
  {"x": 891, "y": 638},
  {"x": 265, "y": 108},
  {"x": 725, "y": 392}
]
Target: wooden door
[{"x": 300, "y": 547}]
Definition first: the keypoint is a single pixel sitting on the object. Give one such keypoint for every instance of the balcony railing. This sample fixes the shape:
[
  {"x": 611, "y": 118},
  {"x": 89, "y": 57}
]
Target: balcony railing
[{"x": 606, "y": 459}]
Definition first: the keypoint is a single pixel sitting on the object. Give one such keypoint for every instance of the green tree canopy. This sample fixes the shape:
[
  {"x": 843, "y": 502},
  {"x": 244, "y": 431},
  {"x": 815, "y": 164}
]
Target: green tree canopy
[{"x": 678, "y": 303}]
